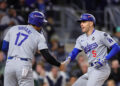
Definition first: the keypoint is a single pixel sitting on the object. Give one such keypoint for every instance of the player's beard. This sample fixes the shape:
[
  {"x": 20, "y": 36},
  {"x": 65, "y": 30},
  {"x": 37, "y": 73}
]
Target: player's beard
[{"x": 85, "y": 29}]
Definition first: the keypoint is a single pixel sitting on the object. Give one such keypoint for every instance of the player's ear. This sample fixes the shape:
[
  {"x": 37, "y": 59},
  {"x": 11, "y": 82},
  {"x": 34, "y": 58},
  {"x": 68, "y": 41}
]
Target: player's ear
[{"x": 91, "y": 23}]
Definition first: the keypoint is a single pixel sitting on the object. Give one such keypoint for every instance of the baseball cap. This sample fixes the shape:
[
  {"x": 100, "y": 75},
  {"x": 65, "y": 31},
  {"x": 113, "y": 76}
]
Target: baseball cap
[{"x": 87, "y": 17}]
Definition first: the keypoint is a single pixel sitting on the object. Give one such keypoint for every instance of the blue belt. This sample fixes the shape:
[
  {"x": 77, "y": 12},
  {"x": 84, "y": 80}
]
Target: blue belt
[
  {"x": 24, "y": 59},
  {"x": 91, "y": 64}
]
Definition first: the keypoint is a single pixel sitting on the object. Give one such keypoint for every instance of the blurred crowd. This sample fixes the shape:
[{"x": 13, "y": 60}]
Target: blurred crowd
[{"x": 15, "y": 12}]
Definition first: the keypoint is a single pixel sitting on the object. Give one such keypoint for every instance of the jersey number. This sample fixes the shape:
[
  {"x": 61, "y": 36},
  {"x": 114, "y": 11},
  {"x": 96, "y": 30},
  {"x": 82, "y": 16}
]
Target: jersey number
[
  {"x": 94, "y": 53},
  {"x": 23, "y": 36}
]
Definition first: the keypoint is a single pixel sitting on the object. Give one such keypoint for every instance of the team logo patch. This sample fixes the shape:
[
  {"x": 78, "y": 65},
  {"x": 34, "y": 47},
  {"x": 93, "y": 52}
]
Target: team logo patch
[
  {"x": 93, "y": 38},
  {"x": 89, "y": 16},
  {"x": 105, "y": 34},
  {"x": 38, "y": 16},
  {"x": 110, "y": 40},
  {"x": 84, "y": 17}
]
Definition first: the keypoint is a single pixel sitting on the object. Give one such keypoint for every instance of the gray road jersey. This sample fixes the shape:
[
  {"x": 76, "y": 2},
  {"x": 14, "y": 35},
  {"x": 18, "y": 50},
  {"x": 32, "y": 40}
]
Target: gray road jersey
[
  {"x": 24, "y": 41},
  {"x": 95, "y": 46}
]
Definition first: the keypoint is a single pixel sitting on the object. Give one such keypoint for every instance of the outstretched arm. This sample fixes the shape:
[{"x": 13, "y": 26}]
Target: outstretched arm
[
  {"x": 74, "y": 53},
  {"x": 49, "y": 58},
  {"x": 72, "y": 56}
]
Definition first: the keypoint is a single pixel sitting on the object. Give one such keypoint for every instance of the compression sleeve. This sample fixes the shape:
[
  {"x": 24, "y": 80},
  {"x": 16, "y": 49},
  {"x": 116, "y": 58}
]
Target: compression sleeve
[
  {"x": 115, "y": 49},
  {"x": 74, "y": 53},
  {"x": 49, "y": 58},
  {"x": 5, "y": 46}
]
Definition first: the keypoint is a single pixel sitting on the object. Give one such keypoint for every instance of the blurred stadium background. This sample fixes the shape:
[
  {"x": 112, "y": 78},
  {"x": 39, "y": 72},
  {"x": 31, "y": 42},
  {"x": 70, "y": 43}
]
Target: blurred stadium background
[{"x": 61, "y": 33}]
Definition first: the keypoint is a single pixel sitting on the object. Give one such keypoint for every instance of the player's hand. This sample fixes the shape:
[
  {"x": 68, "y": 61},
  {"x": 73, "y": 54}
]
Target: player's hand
[
  {"x": 64, "y": 64},
  {"x": 67, "y": 61},
  {"x": 100, "y": 63}
]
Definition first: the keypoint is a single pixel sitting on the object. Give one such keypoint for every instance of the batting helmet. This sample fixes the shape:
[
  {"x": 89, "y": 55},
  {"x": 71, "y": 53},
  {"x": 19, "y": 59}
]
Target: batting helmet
[
  {"x": 87, "y": 17},
  {"x": 36, "y": 18}
]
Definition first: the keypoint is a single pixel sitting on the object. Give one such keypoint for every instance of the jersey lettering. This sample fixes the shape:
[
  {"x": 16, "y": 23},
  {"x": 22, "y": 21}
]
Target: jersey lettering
[
  {"x": 25, "y": 29},
  {"x": 90, "y": 47}
]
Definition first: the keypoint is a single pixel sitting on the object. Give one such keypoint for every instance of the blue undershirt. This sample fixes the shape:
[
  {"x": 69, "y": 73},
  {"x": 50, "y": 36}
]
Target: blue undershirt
[
  {"x": 5, "y": 46},
  {"x": 115, "y": 49},
  {"x": 74, "y": 53}
]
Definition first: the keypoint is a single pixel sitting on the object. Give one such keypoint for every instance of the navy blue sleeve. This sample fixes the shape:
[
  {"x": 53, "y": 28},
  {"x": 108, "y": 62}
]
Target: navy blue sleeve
[
  {"x": 5, "y": 46},
  {"x": 115, "y": 49},
  {"x": 3, "y": 27},
  {"x": 74, "y": 53},
  {"x": 49, "y": 58}
]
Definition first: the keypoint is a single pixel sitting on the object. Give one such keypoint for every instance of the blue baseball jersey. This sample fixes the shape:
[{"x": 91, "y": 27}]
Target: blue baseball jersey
[
  {"x": 95, "y": 45},
  {"x": 24, "y": 41}
]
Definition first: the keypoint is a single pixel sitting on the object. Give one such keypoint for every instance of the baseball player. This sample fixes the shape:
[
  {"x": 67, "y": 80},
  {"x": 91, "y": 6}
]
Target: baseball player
[
  {"x": 21, "y": 42},
  {"x": 94, "y": 43}
]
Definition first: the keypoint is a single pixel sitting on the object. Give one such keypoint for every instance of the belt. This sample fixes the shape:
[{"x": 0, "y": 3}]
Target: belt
[
  {"x": 24, "y": 59},
  {"x": 91, "y": 64}
]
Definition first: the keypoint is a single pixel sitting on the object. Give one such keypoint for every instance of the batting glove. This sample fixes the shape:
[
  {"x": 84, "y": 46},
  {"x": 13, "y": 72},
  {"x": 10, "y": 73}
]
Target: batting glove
[{"x": 100, "y": 63}]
